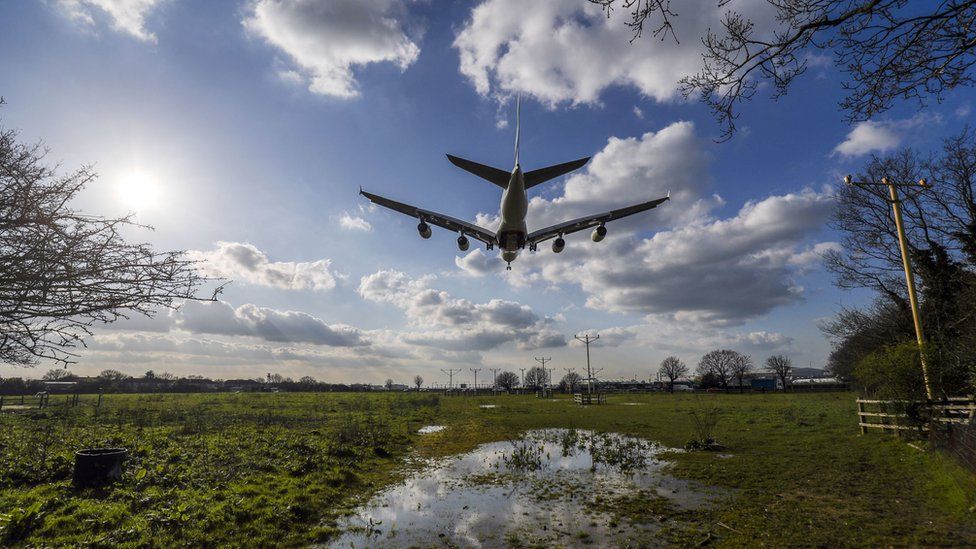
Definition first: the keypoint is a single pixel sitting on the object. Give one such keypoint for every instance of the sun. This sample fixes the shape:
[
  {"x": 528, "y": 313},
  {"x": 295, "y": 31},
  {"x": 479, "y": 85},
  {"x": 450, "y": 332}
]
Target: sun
[{"x": 138, "y": 191}]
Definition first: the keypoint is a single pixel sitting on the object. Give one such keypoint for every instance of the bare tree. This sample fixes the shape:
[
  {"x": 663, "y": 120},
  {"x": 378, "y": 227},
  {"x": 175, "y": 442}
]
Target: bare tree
[
  {"x": 721, "y": 364},
  {"x": 418, "y": 382},
  {"x": 536, "y": 378},
  {"x": 57, "y": 374},
  {"x": 113, "y": 375},
  {"x": 61, "y": 271},
  {"x": 673, "y": 368},
  {"x": 570, "y": 381},
  {"x": 307, "y": 381},
  {"x": 388, "y": 384},
  {"x": 782, "y": 366},
  {"x": 508, "y": 380},
  {"x": 889, "y": 49},
  {"x": 741, "y": 366}
]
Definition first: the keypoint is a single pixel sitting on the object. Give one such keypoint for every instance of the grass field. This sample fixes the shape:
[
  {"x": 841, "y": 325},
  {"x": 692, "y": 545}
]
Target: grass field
[{"x": 278, "y": 469}]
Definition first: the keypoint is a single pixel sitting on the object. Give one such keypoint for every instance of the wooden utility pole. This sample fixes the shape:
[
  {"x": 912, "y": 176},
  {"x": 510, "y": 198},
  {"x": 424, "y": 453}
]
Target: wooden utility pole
[
  {"x": 587, "y": 339},
  {"x": 907, "y": 264}
]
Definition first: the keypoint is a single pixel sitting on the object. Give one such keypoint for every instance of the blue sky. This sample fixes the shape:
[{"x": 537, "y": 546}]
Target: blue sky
[{"x": 242, "y": 130}]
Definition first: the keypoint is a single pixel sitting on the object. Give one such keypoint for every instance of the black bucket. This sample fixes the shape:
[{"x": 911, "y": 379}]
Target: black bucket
[{"x": 98, "y": 466}]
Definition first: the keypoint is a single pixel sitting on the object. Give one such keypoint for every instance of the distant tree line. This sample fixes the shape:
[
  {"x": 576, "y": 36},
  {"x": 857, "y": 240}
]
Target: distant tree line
[{"x": 724, "y": 368}]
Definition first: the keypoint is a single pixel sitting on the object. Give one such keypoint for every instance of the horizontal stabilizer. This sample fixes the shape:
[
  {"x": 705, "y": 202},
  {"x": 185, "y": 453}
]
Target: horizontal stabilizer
[
  {"x": 542, "y": 175},
  {"x": 496, "y": 176}
]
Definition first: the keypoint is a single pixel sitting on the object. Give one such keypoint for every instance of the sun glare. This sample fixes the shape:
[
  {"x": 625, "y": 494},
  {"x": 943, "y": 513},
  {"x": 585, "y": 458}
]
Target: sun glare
[{"x": 138, "y": 191}]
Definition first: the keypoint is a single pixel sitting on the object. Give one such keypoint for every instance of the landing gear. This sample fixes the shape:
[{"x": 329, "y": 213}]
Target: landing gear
[
  {"x": 509, "y": 266},
  {"x": 533, "y": 247}
]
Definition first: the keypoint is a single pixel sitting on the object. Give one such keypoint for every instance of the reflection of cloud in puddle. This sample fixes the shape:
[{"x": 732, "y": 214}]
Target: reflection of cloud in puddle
[
  {"x": 479, "y": 498},
  {"x": 632, "y": 403},
  {"x": 428, "y": 429},
  {"x": 486, "y": 406}
]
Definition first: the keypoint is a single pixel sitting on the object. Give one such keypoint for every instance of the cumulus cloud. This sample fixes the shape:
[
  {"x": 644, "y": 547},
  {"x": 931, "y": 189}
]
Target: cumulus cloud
[
  {"x": 326, "y": 40},
  {"x": 220, "y": 318},
  {"x": 721, "y": 270},
  {"x": 354, "y": 223},
  {"x": 240, "y": 261},
  {"x": 477, "y": 263},
  {"x": 570, "y": 51},
  {"x": 880, "y": 136},
  {"x": 447, "y": 322},
  {"x": 127, "y": 16}
]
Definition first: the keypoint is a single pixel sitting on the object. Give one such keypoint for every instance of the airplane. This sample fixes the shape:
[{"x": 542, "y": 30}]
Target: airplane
[{"x": 512, "y": 234}]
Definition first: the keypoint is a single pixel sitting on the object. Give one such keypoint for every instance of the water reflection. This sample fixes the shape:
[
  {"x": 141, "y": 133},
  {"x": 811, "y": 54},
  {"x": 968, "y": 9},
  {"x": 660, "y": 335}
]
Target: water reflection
[{"x": 539, "y": 489}]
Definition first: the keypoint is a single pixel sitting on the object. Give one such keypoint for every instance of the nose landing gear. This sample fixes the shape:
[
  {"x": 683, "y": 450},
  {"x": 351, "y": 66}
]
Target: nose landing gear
[{"x": 509, "y": 266}]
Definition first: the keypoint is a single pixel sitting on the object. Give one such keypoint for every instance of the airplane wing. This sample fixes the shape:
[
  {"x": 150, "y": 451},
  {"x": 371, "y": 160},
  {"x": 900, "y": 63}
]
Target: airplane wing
[
  {"x": 582, "y": 223},
  {"x": 434, "y": 218}
]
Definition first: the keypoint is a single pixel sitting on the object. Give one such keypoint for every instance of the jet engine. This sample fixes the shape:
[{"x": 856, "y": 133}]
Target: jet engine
[
  {"x": 424, "y": 230},
  {"x": 558, "y": 245},
  {"x": 463, "y": 243},
  {"x": 599, "y": 233}
]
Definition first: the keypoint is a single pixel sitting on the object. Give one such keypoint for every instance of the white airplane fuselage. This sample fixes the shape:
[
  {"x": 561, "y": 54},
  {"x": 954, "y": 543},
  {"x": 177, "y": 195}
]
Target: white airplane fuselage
[{"x": 515, "y": 205}]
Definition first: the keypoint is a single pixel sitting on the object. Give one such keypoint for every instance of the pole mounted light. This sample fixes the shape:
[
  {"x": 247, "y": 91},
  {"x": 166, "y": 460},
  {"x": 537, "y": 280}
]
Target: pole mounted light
[{"x": 895, "y": 201}]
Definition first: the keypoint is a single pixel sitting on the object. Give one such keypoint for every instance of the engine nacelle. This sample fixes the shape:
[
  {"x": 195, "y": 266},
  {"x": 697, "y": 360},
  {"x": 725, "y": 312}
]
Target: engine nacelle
[
  {"x": 463, "y": 243},
  {"x": 558, "y": 245},
  {"x": 424, "y": 230},
  {"x": 599, "y": 233}
]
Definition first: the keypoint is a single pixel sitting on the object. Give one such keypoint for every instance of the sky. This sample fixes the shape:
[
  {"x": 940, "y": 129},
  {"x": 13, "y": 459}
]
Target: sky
[{"x": 242, "y": 130}]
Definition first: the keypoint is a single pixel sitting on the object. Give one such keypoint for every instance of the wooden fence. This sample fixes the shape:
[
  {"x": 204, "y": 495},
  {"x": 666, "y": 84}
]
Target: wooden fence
[
  {"x": 585, "y": 399},
  {"x": 891, "y": 416}
]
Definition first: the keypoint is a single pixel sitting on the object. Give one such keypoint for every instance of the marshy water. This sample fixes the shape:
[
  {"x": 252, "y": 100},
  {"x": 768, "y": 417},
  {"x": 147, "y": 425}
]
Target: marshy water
[{"x": 551, "y": 486}]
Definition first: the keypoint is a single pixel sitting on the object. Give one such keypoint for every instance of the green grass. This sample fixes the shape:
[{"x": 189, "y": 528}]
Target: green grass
[{"x": 277, "y": 469}]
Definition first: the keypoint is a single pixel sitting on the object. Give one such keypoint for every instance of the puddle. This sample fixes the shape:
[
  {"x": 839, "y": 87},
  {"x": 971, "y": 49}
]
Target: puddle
[
  {"x": 632, "y": 403},
  {"x": 428, "y": 429},
  {"x": 543, "y": 489},
  {"x": 486, "y": 406}
]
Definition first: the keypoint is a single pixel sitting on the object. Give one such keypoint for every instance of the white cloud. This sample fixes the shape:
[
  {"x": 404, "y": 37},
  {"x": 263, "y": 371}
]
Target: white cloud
[
  {"x": 354, "y": 223},
  {"x": 477, "y": 263},
  {"x": 963, "y": 110},
  {"x": 457, "y": 324},
  {"x": 570, "y": 51},
  {"x": 874, "y": 136},
  {"x": 128, "y": 16},
  {"x": 220, "y": 318},
  {"x": 327, "y": 40},
  {"x": 717, "y": 271},
  {"x": 868, "y": 137},
  {"x": 240, "y": 261}
]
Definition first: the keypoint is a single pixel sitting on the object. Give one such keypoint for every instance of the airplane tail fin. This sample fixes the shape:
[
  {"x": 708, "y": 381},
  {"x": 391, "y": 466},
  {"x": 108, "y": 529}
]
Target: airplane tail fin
[
  {"x": 542, "y": 175},
  {"x": 518, "y": 120},
  {"x": 496, "y": 176}
]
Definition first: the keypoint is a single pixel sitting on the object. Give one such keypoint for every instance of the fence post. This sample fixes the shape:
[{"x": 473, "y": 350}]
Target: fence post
[
  {"x": 860, "y": 416},
  {"x": 1, "y": 402}
]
